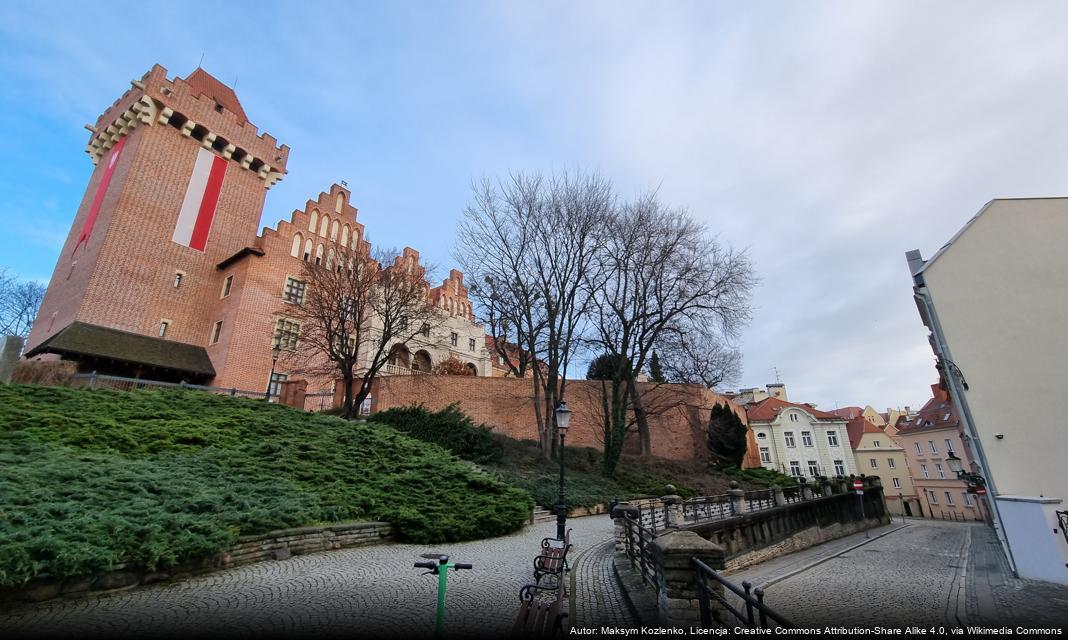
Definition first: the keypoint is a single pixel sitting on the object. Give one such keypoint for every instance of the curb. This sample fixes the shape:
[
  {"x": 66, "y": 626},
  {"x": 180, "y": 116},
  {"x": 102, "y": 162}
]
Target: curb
[{"x": 810, "y": 565}]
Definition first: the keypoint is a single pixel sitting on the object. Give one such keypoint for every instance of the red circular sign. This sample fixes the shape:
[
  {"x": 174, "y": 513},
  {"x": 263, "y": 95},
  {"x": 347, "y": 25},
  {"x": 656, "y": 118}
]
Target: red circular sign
[
  {"x": 858, "y": 484},
  {"x": 981, "y": 491}
]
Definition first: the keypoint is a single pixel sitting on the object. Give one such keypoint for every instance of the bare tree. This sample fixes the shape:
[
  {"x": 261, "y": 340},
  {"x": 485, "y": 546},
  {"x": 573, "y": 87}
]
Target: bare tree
[
  {"x": 661, "y": 274},
  {"x": 353, "y": 313},
  {"x": 19, "y": 303},
  {"x": 699, "y": 355},
  {"x": 532, "y": 241}
]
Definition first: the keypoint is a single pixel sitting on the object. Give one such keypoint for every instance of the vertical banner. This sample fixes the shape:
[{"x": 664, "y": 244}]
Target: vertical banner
[
  {"x": 201, "y": 198},
  {"x": 98, "y": 197}
]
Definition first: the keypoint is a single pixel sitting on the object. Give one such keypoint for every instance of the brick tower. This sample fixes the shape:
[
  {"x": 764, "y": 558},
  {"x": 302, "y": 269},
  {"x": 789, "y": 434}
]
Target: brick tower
[{"x": 178, "y": 188}]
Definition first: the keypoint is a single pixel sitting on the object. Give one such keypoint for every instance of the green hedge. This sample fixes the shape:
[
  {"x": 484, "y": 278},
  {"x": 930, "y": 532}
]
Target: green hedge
[
  {"x": 449, "y": 428},
  {"x": 91, "y": 476}
]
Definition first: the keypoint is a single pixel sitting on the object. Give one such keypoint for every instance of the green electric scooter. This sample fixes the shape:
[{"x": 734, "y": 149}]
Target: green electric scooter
[{"x": 441, "y": 570}]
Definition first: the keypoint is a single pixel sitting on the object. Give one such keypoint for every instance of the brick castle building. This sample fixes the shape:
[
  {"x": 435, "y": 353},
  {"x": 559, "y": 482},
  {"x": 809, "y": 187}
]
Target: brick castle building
[{"x": 163, "y": 275}]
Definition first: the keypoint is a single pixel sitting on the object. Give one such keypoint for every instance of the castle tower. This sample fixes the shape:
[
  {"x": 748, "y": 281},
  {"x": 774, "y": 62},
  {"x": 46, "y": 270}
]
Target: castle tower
[{"x": 178, "y": 189}]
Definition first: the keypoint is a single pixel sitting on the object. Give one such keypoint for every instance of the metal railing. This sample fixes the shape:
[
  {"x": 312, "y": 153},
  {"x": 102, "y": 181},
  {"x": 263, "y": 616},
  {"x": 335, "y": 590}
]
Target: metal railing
[
  {"x": 1062, "y": 518},
  {"x": 759, "y": 500},
  {"x": 792, "y": 494},
  {"x": 398, "y": 370},
  {"x": 639, "y": 550},
  {"x": 757, "y": 615},
  {"x": 705, "y": 508},
  {"x": 96, "y": 381}
]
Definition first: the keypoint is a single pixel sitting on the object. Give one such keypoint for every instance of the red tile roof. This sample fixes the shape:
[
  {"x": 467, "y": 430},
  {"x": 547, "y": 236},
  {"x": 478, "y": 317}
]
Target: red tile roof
[
  {"x": 938, "y": 413},
  {"x": 769, "y": 408},
  {"x": 848, "y": 412},
  {"x": 203, "y": 83},
  {"x": 857, "y": 427}
]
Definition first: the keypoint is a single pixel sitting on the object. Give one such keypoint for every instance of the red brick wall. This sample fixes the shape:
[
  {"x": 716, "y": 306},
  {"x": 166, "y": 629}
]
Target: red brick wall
[{"x": 677, "y": 425}]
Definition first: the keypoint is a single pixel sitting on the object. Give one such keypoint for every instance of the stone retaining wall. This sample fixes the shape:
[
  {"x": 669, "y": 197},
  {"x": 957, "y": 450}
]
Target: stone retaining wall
[{"x": 273, "y": 545}]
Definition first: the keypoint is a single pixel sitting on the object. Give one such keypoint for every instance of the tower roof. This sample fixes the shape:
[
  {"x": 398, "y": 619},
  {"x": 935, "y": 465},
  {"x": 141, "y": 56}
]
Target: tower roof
[{"x": 204, "y": 83}]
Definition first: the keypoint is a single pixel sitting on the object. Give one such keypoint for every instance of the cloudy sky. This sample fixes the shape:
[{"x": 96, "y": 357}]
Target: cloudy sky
[{"x": 828, "y": 138}]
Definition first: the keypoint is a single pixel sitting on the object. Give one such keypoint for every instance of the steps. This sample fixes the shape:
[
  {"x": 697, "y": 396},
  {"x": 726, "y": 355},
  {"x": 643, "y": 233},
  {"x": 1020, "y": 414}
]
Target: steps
[{"x": 541, "y": 514}]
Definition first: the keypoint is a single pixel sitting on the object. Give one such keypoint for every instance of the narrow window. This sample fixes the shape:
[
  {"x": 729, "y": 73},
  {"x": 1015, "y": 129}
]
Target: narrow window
[
  {"x": 931, "y": 444},
  {"x": 874, "y": 463},
  {"x": 178, "y": 279},
  {"x": 941, "y": 471},
  {"x": 789, "y": 437},
  {"x": 294, "y": 291},
  {"x": 967, "y": 499},
  {"x": 314, "y": 220},
  {"x": 926, "y": 474},
  {"x": 229, "y": 282},
  {"x": 878, "y": 444},
  {"x": 324, "y": 226},
  {"x": 933, "y": 496},
  {"x": 426, "y": 330},
  {"x": 832, "y": 438},
  {"x": 163, "y": 328},
  {"x": 765, "y": 455},
  {"x": 806, "y": 438},
  {"x": 333, "y": 231},
  {"x": 298, "y": 240},
  {"x": 949, "y": 499},
  {"x": 897, "y": 483},
  {"x": 278, "y": 380},
  {"x": 215, "y": 331},
  {"x": 839, "y": 468},
  {"x": 454, "y": 338},
  {"x": 470, "y": 344},
  {"x": 307, "y": 250},
  {"x": 345, "y": 236},
  {"x": 813, "y": 468},
  {"x": 891, "y": 463},
  {"x": 795, "y": 468},
  {"x": 319, "y": 254},
  {"x": 919, "y": 449},
  {"x": 340, "y": 202},
  {"x": 949, "y": 445}
]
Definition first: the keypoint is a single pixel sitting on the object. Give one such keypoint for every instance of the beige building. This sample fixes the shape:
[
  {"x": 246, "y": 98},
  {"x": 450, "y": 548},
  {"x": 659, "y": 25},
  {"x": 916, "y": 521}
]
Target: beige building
[
  {"x": 995, "y": 299},
  {"x": 876, "y": 454}
]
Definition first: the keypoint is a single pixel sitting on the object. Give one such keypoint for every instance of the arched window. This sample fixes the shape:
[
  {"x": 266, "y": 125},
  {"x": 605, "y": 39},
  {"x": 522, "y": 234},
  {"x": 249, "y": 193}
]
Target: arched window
[
  {"x": 340, "y": 202},
  {"x": 307, "y": 250},
  {"x": 319, "y": 254},
  {"x": 314, "y": 220},
  {"x": 355, "y": 239},
  {"x": 324, "y": 226},
  {"x": 330, "y": 259},
  {"x": 333, "y": 232},
  {"x": 297, "y": 241},
  {"x": 345, "y": 236}
]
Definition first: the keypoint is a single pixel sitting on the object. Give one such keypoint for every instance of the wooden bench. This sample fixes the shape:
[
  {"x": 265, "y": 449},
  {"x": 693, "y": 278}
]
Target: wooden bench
[
  {"x": 541, "y": 618},
  {"x": 553, "y": 558}
]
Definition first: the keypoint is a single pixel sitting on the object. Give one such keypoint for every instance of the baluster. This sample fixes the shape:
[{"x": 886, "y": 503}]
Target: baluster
[
  {"x": 748, "y": 603},
  {"x": 763, "y": 616}
]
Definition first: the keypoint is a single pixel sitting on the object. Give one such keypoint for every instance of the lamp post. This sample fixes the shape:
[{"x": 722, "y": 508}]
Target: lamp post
[
  {"x": 563, "y": 421},
  {"x": 274, "y": 360}
]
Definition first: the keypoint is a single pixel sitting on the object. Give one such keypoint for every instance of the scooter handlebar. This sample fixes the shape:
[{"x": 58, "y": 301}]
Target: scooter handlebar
[
  {"x": 426, "y": 565},
  {"x": 462, "y": 565}
]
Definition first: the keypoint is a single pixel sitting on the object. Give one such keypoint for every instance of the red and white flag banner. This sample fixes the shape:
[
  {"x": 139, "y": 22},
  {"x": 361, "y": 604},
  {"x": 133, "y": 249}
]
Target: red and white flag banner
[
  {"x": 201, "y": 198},
  {"x": 98, "y": 197}
]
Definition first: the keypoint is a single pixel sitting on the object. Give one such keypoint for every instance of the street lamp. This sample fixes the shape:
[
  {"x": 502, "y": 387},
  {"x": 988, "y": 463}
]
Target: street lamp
[
  {"x": 274, "y": 360},
  {"x": 563, "y": 421},
  {"x": 976, "y": 482},
  {"x": 956, "y": 465}
]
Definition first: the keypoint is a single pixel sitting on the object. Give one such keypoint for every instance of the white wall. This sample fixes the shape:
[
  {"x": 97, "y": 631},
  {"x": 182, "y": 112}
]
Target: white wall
[{"x": 1037, "y": 542}]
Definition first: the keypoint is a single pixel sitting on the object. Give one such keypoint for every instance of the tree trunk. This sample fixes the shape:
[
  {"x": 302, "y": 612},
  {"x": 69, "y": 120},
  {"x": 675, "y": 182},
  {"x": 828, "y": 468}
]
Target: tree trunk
[
  {"x": 347, "y": 413},
  {"x": 543, "y": 430},
  {"x": 613, "y": 446},
  {"x": 642, "y": 418}
]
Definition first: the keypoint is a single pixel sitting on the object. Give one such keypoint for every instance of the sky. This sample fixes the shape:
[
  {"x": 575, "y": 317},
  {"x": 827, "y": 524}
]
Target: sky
[{"x": 826, "y": 138}]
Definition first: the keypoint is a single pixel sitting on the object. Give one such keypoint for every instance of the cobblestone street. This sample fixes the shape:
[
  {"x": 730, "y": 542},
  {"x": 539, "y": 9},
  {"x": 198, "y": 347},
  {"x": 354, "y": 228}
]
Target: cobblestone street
[{"x": 352, "y": 592}]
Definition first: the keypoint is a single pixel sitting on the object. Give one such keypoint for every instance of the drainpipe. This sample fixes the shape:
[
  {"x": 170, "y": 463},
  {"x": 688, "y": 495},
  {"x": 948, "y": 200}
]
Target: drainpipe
[{"x": 956, "y": 392}]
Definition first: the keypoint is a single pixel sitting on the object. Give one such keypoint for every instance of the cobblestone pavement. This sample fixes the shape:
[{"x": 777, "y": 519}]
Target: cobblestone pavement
[
  {"x": 350, "y": 592},
  {"x": 928, "y": 573},
  {"x": 598, "y": 599}
]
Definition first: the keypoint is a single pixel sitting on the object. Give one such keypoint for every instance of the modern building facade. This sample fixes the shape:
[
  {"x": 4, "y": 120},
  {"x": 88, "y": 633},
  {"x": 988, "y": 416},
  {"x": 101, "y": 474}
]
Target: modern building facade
[
  {"x": 995, "y": 299},
  {"x": 163, "y": 274},
  {"x": 797, "y": 439},
  {"x": 876, "y": 454}
]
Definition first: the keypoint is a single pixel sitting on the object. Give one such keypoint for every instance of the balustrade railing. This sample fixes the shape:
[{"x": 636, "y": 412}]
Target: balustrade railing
[
  {"x": 759, "y": 500},
  {"x": 96, "y": 381},
  {"x": 715, "y": 603},
  {"x": 705, "y": 508},
  {"x": 639, "y": 550}
]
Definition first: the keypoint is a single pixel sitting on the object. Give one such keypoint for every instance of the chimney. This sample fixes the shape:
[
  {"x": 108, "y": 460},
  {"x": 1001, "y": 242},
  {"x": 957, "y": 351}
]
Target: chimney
[{"x": 778, "y": 390}]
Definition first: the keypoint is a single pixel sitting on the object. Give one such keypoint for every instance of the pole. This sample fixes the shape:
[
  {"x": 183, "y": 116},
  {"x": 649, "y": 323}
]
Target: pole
[
  {"x": 901, "y": 501},
  {"x": 561, "y": 510},
  {"x": 443, "y": 578},
  {"x": 267, "y": 396},
  {"x": 860, "y": 501}
]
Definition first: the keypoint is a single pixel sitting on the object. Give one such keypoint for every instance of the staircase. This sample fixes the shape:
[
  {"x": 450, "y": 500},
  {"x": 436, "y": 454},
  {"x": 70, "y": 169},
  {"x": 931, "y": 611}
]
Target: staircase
[{"x": 541, "y": 514}]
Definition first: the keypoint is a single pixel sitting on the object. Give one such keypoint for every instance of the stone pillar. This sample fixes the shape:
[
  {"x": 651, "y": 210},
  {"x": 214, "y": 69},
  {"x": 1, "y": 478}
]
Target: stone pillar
[
  {"x": 806, "y": 491},
  {"x": 780, "y": 497},
  {"x": 620, "y": 511},
  {"x": 737, "y": 498},
  {"x": 677, "y": 600},
  {"x": 672, "y": 507},
  {"x": 10, "y": 349}
]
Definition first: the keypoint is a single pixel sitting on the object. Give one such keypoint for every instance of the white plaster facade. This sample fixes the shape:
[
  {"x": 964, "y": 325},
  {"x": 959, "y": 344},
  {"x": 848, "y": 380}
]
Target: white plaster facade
[{"x": 799, "y": 440}]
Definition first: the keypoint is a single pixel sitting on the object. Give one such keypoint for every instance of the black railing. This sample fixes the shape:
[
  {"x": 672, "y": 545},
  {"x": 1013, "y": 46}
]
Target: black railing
[
  {"x": 714, "y": 602},
  {"x": 707, "y": 508},
  {"x": 759, "y": 500},
  {"x": 639, "y": 550}
]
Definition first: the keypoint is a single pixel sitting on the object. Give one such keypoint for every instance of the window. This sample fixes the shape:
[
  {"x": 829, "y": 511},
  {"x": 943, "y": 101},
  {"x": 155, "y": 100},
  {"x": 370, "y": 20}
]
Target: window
[
  {"x": 793, "y": 417},
  {"x": 294, "y": 291},
  {"x": 923, "y": 467},
  {"x": 949, "y": 445},
  {"x": 933, "y": 497},
  {"x": 319, "y": 254},
  {"x": 178, "y": 279},
  {"x": 806, "y": 438},
  {"x": 839, "y": 468},
  {"x": 215, "y": 331},
  {"x": 454, "y": 338},
  {"x": 229, "y": 282},
  {"x": 314, "y": 220},
  {"x": 324, "y": 225},
  {"x": 277, "y": 380},
  {"x": 919, "y": 449},
  {"x": 789, "y": 437},
  {"x": 762, "y": 436},
  {"x": 765, "y": 455},
  {"x": 470, "y": 344},
  {"x": 163, "y": 328},
  {"x": 307, "y": 250},
  {"x": 897, "y": 483},
  {"x": 878, "y": 444},
  {"x": 941, "y": 472},
  {"x": 949, "y": 499},
  {"x": 298, "y": 241},
  {"x": 795, "y": 468},
  {"x": 426, "y": 330},
  {"x": 931, "y": 444},
  {"x": 286, "y": 333},
  {"x": 968, "y": 499},
  {"x": 832, "y": 438},
  {"x": 874, "y": 463},
  {"x": 813, "y": 468},
  {"x": 891, "y": 463}
]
